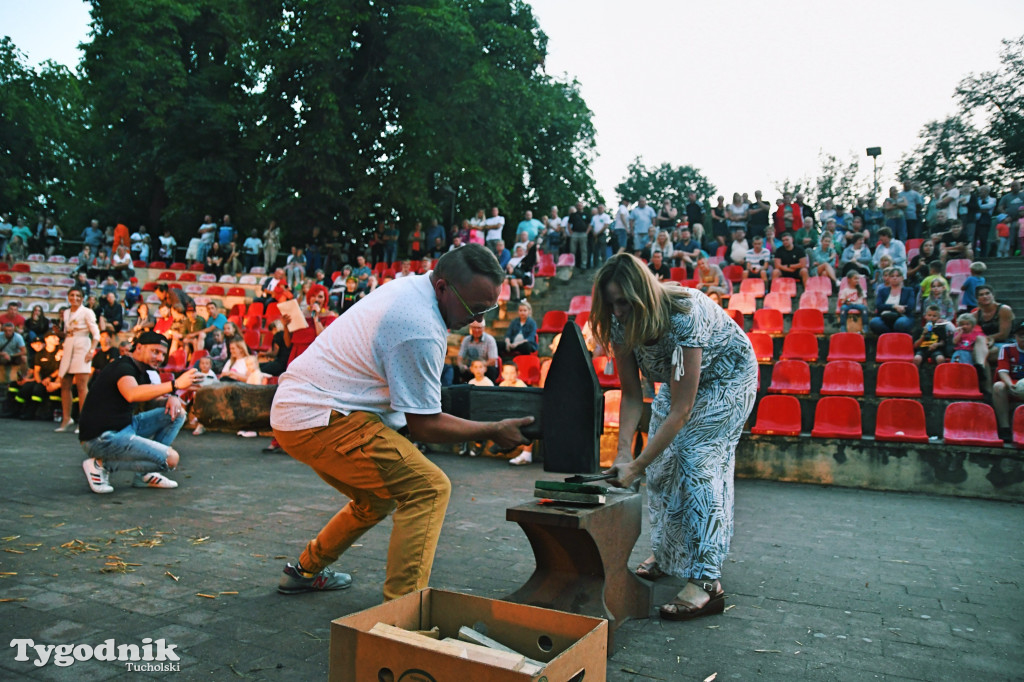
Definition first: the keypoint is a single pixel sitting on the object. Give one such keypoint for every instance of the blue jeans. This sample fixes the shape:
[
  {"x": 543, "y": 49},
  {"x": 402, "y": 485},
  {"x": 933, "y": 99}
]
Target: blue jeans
[
  {"x": 903, "y": 324},
  {"x": 847, "y": 307},
  {"x": 141, "y": 446},
  {"x": 898, "y": 227}
]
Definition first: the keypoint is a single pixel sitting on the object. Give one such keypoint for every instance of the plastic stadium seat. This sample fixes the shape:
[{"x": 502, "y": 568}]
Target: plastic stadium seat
[
  {"x": 778, "y": 415},
  {"x": 784, "y": 285},
  {"x": 271, "y": 313},
  {"x": 553, "y": 322},
  {"x": 808, "y": 320},
  {"x": 971, "y": 424},
  {"x": 56, "y": 259},
  {"x": 266, "y": 341},
  {"x": 238, "y": 310},
  {"x": 187, "y": 277},
  {"x": 582, "y": 319},
  {"x": 677, "y": 274},
  {"x": 768, "y": 320},
  {"x": 733, "y": 273},
  {"x": 567, "y": 260},
  {"x": 791, "y": 376},
  {"x": 194, "y": 289},
  {"x": 257, "y": 270},
  {"x": 135, "y": 263},
  {"x": 248, "y": 279},
  {"x": 956, "y": 380},
  {"x": 252, "y": 338},
  {"x": 612, "y": 401},
  {"x": 25, "y": 279},
  {"x": 546, "y": 270},
  {"x": 180, "y": 266},
  {"x": 911, "y": 253},
  {"x": 764, "y": 348},
  {"x": 837, "y": 416},
  {"x": 167, "y": 276},
  {"x": 736, "y": 316},
  {"x": 721, "y": 251},
  {"x": 158, "y": 265},
  {"x": 843, "y": 377},
  {"x": 900, "y": 420},
  {"x": 255, "y": 309},
  {"x": 715, "y": 260},
  {"x": 914, "y": 243},
  {"x": 176, "y": 361},
  {"x": 23, "y": 267},
  {"x": 579, "y": 304},
  {"x": 754, "y": 287},
  {"x": 173, "y": 285},
  {"x": 898, "y": 380},
  {"x": 149, "y": 286},
  {"x": 196, "y": 267},
  {"x": 252, "y": 322},
  {"x": 846, "y": 346},
  {"x": 800, "y": 346},
  {"x": 505, "y": 292},
  {"x": 236, "y": 291},
  {"x": 529, "y": 369},
  {"x": 227, "y": 279},
  {"x": 779, "y": 301},
  {"x": 1018, "y": 426},
  {"x": 215, "y": 290},
  {"x": 894, "y": 346},
  {"x": 958, "y": 266},
  {"x": 745, "y": 303},
  {"x": 208, "y": 277},
  {"x": 4, "y": 267},
  {"x": 545, "y": 258},
  {"x": 602, "y": 365},
  {"x": 5, "y": 278},
  {"x": 819, "y": 283},
  {"x": 814, "y": 300}
]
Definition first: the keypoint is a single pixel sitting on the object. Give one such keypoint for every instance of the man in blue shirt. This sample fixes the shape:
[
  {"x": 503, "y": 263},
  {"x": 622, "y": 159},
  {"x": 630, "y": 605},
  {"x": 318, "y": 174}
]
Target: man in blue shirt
[
  {"x": 225, "y": 233},
  {"x": 503, "y": 254},
  {"x": 530, "y": 225},
  {"x": 640, "y": 219},
  {"x": 915, "y": 208},
  {"x": 93, "y": 236},
  {"x": 687, "y": 251}
]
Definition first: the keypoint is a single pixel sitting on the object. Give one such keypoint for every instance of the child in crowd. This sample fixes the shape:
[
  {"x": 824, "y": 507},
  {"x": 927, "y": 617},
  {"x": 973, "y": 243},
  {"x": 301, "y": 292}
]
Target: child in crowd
[
  {"x": 884, "y": 263},
  {"x": 510, "y": 376},
  {"x": 479, "y": 370},
  {"x": 852, "y": 298},
  {"x": 1003, "y": 232},
  {"x": 351, "y": 294},
  {"x": 133, "y": 294},
  {"x": 216, "y": 349},
  {"x": 967, "y": 333},
  {"x": 932, "y": 341},
  {"x": 969, "y": 300},
  {"x": 934, "y": 270},
  {"x": 204, "y": 377}
]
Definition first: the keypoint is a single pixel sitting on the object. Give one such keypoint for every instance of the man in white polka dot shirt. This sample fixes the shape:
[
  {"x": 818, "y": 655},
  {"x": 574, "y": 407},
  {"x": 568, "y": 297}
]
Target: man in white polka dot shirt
[{"x": 349, "y": 405}]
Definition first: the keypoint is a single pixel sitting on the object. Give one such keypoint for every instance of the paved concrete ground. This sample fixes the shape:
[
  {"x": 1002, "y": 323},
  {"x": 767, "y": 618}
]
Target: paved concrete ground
[{"x": 825, "y": 584}]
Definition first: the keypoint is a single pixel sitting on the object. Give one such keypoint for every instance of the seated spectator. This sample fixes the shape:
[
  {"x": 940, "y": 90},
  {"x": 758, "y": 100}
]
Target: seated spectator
[
  {"x": 36, "y": 325},
  {"x": 145, "y": 321},
  {"x": 242, "y": 366},
  {"x": 16, "y": 250},
  {"x": 510, "y": 376},
  {"x": 662, "y": 243},
  {"x": 856, "y": 257},
  {"x": 521, "y": 336},
  {"x": 101, "y": 266},
  {"x": 478, "y": 345},
  {"x": 918, "y": 268},
  {"x": 82, "y": 284},
  {"x": 758, "y": 261},
  {"x": 687, "y": 250},
  {"x": 954, "y": 243},
  {"x": 164, "y": 321},
  {"x": 880, "y": 277},
  {"x": 969, "y": 297},
  {"x": 114, "y": 436},
  {"x": 710, "y": 279},
  {"x": 932, "y": 341},
  {"x": 319, "y": 317},
  {"x": 738, "y": 247},
  {"x": 822, "y": 260},
  {"x": 806, "y": 237},
  {"x": 111, "y": 314},
  {"x": 232, "y": 260},
  {"x": 121, "y": 264},
  {"x": 938, "y": 296},
  {"x": 109, "y": 285},
  {"x": 790, "y": 260},
  {"x": 887, "y": 246},
  {"x": 995, "y": 320},
  {"x": 14, "y": 317},
  {"x": 350, "y": 295},
  {"x": 214, "y": 262},
  {"x": 967, "y": 334},
  {"x": 204, "y": 377},
  {"x": 188, "y": 326},
  {"x": 275, "y": 361},
  {"x": 273, "y": 284},
  {"x": 106, "y": 353},
  {"x": 216, "y": 348},
  {"x": 405, "y": 268},
  {"x": 934, "y": 272},
  {"x": 520, "y": 270},
  {"x": 13, "y": 353},
  {"x": 40, "y": 381},
  {"x": 85, "y": 259},
  {"x": 852, "y": 297},
  {"x": 894, "y": 306},
  {"x": 133, "y": 294},
  {"x": 657, "y": 266},
  {"x": 1009, "y": 385},
  {"x": 251, "y": 249}
]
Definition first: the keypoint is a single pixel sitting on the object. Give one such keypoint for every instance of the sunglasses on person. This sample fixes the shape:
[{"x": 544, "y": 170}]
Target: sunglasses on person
[{"x": 466, "y": 305}]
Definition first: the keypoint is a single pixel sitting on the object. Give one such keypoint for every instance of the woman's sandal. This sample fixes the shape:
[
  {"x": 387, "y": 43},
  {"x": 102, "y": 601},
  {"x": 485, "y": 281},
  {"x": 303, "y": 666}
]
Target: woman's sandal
[
  {"x": 683, "y": 610},
  {"x": 649, "y": 570}
]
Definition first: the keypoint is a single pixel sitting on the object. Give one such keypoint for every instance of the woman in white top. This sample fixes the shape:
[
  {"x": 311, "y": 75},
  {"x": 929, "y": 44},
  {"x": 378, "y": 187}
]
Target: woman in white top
[
  {"x": 81, "y": 335},
  {"x": 241, "y": 366}
]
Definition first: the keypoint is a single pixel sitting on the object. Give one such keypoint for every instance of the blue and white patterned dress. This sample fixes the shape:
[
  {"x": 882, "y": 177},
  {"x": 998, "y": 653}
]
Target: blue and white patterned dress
[{"x": 690, "y": 484}]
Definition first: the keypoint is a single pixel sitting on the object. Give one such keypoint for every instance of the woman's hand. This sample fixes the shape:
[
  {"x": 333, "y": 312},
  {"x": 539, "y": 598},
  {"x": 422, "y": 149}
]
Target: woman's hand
[{"x": 626, "y": 474}]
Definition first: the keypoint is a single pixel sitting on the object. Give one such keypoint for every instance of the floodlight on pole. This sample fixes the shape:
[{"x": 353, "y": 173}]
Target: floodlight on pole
[{"x": 874, "y": 153}]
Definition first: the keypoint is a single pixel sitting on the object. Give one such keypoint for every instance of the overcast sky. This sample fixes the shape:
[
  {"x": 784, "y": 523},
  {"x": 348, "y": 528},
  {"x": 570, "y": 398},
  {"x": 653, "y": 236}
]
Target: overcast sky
[{"x": 748, "y": 93}]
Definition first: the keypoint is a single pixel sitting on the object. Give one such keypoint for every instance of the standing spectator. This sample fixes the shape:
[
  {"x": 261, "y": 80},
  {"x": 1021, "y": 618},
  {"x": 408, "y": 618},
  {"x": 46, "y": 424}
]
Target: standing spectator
[
  {"x": 827, "y": 212},
  {"x": 416, "y": 243},
  {"x": 314, "y": 250},
  {"x": 986, "y": 206},
  {"x": 207, "y": 236},
  {"x": 758, "y": 216},
  {"x": 621, "y": 227},
  {"x": 790, "y": 260},
  {"x": 81, "y": 335},
  {"x": 1010, "y": 381},
  {"x": 1011, "y": 204},
  {"x": 599, "y": 224},
  {"x": 140, "y": 244},
  {"x": 949, "y": 200},
  {"x": 168, "y": 247},
  {"x": 271, "y": 245},
  {"x": 667, "y": 216},
  {"x": 694, "y": 211},
  {"x": 894, "y": 306},
  {"x": 872, "y": 218},
  {"x": 226, "y": 233},
  {"x": 435, "y": 231},
  {"x": 495, "y": 226},
  {"x": 251, "y": 250},
  {"x": 640, "y": 220},
  {"x": 895, "y": 209},
  {"x": 390, "y": 237},
  {"x": 7, "y": 229},
  {"x": 806, "y": 212},
  {"x": 530, "y": 225},
  {"x": 92, "y": 236},
  {"x": 914, "y": 209},
  {"x": 579, "y": 235},
  {"x": 736, "y": 214},
  {"x": 789, "y": 216}
]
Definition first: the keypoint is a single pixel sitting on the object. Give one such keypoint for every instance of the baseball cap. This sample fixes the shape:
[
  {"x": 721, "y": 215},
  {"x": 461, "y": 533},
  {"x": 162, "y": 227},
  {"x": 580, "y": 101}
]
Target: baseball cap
[
  {"x": 153, "y": 338},
  {"x": 134, "y": 280}
]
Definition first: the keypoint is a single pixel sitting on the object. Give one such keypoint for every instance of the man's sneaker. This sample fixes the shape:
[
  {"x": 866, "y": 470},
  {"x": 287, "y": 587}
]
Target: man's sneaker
[
  {"x": 525, "y": 457},
  {"x": 292, "y": 581},
  {"x": 153, "y": 480},
  {"x": 96, "y": 476}
]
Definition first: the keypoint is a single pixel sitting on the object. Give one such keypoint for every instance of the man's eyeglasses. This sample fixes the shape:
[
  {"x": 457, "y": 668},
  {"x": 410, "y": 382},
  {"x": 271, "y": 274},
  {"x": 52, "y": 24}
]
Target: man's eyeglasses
[{"x": 466, "y": 305}]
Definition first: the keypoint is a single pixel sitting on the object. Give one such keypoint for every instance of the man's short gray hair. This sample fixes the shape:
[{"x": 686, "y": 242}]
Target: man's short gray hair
[{"x": 460, "y": 265}]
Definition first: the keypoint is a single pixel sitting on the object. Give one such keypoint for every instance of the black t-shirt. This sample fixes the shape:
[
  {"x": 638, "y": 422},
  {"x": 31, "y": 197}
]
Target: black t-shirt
[
  {"x": 950, "y": 239},
  {"x": 47, "y": 364},
  {"x": 790, "y": 257},
  {"x": 694, "y": 213},
  {"x": 106, "y": 409},
  {"x": 664, "y": 271},
  {"x": 578, "y": 222},
  {"x": 759, "y": 219},
  {"x": 283, "y": 351},
  {"x": 104, "y": 358}
]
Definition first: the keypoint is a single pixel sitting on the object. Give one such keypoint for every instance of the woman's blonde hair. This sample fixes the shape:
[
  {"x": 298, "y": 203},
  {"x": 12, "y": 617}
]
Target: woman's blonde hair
[{"x": 653, "y": 302}]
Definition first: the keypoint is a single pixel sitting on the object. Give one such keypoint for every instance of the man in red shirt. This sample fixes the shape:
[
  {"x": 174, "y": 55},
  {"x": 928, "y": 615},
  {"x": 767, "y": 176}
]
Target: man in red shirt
[
  {"x": 789, "y": 216},
  {"x": 1010, "y": 381},
  {"x": 13, "y": 317}
]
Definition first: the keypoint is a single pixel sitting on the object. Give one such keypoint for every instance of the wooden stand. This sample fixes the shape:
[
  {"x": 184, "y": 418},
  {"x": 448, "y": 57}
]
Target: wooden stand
[{"x": 582, "y": 555}]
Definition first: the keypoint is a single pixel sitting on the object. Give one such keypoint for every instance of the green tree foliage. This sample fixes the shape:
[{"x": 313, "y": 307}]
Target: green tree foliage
[
  {"x": 664, "y": 182},
  {"x": 1000, "y": 96},
  {"x": 39, "y": 130},
  {"x": 837, "y": 180},
  {"x": 951, "y": 147}
]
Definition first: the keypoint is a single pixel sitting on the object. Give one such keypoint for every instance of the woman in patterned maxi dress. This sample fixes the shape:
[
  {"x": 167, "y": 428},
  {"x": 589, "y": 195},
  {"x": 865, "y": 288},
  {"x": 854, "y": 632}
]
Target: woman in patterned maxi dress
[{"x": 708, "y": 372}]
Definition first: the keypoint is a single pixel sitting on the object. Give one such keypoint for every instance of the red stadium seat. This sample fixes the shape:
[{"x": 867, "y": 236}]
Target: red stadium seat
[
  {"x": 791, "y": 376},
  {"x": 819, "y": 283},
  {"x": 21, "y": 267},
  {"x": 545, "y": 258},
  {"x": 894, "y": 346},
  {"x": 768, "y": 320},
  {"x": 579, "y": 304},
  {"x": 846, "y": 346},
  {"x": 255, "y": 309},
  {"x": 800, "y": 346},
  {"x": 898, "y": 380},
  {"x": 179, "y": 266},
  {"x": 779, "y": 301},
  {"x": 955, "y": 380},
  {"x": 546, "y": 270},
  {"x": 505, "y": 292},
  {"x": 900, "y": 420},
  {"x": 784, "y": 285},
  {"x": 187, "y": 277},
  {"x": 815, "y": 300},
  {"x": 843, "y": 377},
  {"x": 1018, "y": 426},
  {"x": 5, "y": 278},
  {"x": 236, "y": 291},
  {"x": 754, "y": 287},
  {"x": 764, "y": 348},
  {"x": 173, "y": 285},
  {"x": 971, "y": 424},
  {"x": 567, "y": 260},
  {"x": 252, "y": 338},
  {"x": 252, "y": 322},
  {"x": 677, "y": 274},
  {"x": 215, "y": 290},
  {"x": 582, "y": 319},
  {"x": 958, "y": 266},
  {"x": 733, "y": 273},
  {"x": 602, "y": 364},
  {"x": 135, "y": 263},
  {"x": 553, "y": 322},
  {"x": 914, "y": 243},
  {"x": 808, "y": 320},
  {"x": 837, "y": 417},
  {"x": 529, "y": 369},
  {"x": 612, "y": 401},
  {"x": 195, "y": 267},
  {"x": 158, "y": 265},
  {"x": 167, "y": 277},
  {"x": 149, "y": 286},
  {"x": 736, "y": 316},
  {"x": 266, "y": 340},
  {"x": 176, "y": 361},
  {"x": 777, "y": 415},
  {"x": 198, "y": 355},
  {"x": 271, "y": 313},
  {"x": 745, "y": 303}
]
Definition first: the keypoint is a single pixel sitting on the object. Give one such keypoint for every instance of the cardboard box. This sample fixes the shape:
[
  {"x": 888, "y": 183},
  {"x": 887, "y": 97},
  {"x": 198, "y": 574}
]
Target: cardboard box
[{"x": 572, "y": 647}]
